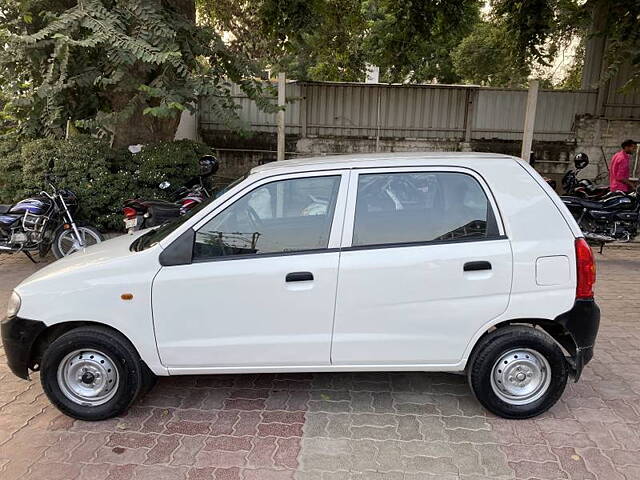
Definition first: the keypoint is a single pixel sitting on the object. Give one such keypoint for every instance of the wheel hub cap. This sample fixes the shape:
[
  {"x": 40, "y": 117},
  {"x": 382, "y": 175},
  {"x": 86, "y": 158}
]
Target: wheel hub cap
[
  {"x": 88, "y": 377},
  {"x": 520, "y": 376}
]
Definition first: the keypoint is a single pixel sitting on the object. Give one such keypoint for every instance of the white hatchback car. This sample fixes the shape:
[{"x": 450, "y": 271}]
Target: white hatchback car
[{"x": 448, "y": 262}]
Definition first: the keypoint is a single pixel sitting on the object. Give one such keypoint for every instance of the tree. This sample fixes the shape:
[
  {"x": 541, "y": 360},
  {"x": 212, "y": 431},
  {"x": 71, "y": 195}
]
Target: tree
[
  {"x": 126, "y": 67},
  {"x": 484, "y": 58},
  {"x": 309, "y": 39},
  {"x": 335, "y": 39},
  {"x": 538, "y": 28},
  {"x": 412, "y": 40}
]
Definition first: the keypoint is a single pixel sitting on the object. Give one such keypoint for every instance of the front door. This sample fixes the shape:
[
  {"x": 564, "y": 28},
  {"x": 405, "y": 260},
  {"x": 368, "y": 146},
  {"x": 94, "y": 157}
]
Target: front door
[
  {"x": 427, "y": 266},
  {"x": 261, "y": 288}
]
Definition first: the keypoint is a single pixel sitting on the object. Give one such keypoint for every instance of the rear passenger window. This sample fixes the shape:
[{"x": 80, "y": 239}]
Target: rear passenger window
[{"x": 421, "y": 207}]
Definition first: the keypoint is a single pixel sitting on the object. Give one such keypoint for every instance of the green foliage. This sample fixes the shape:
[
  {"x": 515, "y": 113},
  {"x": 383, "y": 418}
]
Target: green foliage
[
  {"x": 101, "y": 177},
  {"x": 11, "y": 168},
  {"x": 484, "y": 58},
  {"x": 125, "y": 67},
  {"x": 82, "y": 165},
  {"x": 175, "y": 162},
  {"x": 538, "y": 29},
  {"x": 421, "y": 41},
  {"x": 572, "y": 79},
  {"x": 412, "y": 40},
  {"x": 335, "y": 39}
]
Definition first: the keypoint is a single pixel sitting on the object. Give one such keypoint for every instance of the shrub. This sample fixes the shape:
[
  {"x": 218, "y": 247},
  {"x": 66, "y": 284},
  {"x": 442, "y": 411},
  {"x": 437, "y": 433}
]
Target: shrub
[
  {"x": 81, "y": 164},
  {"x": 99, "y": 175},
  {"x": 176, "y": 162},
  {"x": 11, "y": 171}
]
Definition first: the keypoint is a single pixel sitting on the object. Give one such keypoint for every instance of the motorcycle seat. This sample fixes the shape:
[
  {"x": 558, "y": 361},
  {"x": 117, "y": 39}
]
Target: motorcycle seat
[
  {"x": 613, "y": 202},
  {"x": 160, "y": 208},
  {"x": 5, "y": 208}
]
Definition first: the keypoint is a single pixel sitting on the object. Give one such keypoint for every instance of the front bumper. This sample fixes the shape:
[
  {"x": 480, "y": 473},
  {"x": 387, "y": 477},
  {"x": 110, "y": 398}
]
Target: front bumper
[
  {"x": 581, "y": 324},
  {"x": 18, "y": 337}
]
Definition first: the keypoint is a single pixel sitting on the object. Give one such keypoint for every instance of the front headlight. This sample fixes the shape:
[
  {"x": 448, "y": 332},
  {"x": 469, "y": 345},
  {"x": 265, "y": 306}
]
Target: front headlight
[{"x": 13, "y": 307}]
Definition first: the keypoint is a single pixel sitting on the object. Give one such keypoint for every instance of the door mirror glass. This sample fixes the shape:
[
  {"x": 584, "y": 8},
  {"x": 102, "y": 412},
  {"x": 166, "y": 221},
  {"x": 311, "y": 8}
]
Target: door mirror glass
[
  {"x": 164, "y": 185},
  {"x": 284, "y": 216}
]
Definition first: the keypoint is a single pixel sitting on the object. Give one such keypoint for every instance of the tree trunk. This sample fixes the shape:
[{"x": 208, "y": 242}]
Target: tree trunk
[
  {"x": 145, "y": 129},
  {"x": 140, "y": 128}
]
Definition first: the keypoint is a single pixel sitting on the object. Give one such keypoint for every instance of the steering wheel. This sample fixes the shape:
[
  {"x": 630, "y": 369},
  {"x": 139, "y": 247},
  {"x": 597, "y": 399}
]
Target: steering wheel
[{"x": 255, "y": 219}]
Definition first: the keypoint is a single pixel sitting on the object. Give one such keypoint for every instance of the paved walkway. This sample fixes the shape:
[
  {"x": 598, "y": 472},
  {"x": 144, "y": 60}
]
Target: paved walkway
[{"x": 342, "y": 426}]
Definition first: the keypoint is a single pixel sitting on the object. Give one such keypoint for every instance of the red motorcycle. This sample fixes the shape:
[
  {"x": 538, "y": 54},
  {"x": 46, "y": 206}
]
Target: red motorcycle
[{"x": 141, "y": 213}]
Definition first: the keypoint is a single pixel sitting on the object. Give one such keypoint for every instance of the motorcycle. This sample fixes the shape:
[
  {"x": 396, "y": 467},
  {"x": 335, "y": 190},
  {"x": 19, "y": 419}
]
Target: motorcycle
[
  {"x": 141, "y": 213},
  {"x": 43, "y": 222},
  {"x": 615, "y": 217},
  {"x": 581, "y": 187}
]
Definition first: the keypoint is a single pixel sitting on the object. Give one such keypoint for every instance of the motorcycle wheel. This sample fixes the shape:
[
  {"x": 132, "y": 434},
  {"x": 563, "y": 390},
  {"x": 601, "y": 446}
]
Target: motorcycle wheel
[{"x": 64, "y": 242}]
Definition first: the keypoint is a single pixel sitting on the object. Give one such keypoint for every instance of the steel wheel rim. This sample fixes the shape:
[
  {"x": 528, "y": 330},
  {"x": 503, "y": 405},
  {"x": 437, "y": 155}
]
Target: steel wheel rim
[
  {"x": 88, "y": 377},
  {"x": 67, "y": 237},
  {"x": 520, "y": 376}
]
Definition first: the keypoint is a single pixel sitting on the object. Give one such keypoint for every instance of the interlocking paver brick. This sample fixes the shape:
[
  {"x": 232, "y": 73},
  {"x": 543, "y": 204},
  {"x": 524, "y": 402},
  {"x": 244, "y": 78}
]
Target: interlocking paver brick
[
  {"x": 162, "y": 451},
  {"x": 573, "y": 464},
  {"x": 187, "y": 450},
  {"x": 600, "y": 465},
  {"x": 404, "y": 425}
]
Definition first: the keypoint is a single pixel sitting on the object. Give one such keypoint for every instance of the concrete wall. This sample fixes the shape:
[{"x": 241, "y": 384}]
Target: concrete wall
[
  {"x": 553, "y": 158},
  {"x": 600, "y": 138}
]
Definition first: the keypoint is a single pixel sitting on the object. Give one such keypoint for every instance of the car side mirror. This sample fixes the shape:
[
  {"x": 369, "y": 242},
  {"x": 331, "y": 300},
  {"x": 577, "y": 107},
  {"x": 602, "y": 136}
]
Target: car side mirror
[{"x": 164, "y": 185}]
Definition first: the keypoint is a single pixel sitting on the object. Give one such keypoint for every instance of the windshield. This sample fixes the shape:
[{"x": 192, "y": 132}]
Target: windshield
[{"x": 157, "y": 234}]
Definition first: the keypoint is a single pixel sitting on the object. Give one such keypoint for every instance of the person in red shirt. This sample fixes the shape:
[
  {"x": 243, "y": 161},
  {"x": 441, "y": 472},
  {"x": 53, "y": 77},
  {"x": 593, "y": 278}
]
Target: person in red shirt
[{"x": 619, "y": 169}]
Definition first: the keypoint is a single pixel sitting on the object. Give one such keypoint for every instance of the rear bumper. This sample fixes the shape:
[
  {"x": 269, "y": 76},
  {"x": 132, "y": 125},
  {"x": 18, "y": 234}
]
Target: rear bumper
[
  {"x": 18, "y": 337},
  {"x": 581, "y": 323}
]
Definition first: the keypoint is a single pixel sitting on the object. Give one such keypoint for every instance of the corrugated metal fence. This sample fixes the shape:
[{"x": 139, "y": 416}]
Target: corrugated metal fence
[{"x": 419, "y": 111}]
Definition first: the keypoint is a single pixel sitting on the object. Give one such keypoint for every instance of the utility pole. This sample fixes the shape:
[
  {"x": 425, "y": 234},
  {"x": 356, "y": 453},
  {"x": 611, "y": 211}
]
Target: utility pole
[
  {"x": 529, "y": 120},
  {"x": 280, "y": 114}
]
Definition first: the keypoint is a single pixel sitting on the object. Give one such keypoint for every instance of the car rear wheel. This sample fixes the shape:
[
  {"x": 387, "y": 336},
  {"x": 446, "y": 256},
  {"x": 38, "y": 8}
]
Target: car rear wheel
[
  {"x": 92, "y": 373},
  {"x": 517, "y": 372}
]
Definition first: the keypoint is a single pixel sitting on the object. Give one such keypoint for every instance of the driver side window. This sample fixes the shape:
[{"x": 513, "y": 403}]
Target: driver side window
[{"x": 282, "y": 216}]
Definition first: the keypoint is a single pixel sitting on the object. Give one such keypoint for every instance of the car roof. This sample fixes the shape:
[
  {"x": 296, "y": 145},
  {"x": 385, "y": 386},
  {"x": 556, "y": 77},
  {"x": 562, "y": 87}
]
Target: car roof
[{"x": 372, "y": 160}]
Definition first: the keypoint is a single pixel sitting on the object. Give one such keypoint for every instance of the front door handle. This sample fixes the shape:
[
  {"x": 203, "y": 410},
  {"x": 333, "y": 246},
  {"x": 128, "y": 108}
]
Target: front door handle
[
  {"x": 299, "y": 277},
  {"x": 475, "y": 266}
]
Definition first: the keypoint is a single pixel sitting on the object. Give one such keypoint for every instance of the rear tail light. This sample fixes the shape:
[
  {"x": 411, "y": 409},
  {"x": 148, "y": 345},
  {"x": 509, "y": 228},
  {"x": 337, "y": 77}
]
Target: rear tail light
[
  {"x": 586, "y": 269},
  {"x": 187, "y": 203},
  {"x": 129, "y": 212}
]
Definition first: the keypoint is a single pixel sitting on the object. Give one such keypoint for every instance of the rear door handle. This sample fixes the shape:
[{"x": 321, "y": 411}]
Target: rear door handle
[
  {"x": 475, "y": 266},
  {"x": 299, "y": 277}
]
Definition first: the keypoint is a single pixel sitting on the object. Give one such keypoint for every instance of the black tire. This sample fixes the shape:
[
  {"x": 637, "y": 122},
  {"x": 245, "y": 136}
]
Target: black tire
[
  {"x": 492, "y": 347},
  {"x": 54, "y": 245},
  {"x": 124, "y": 356},
  {"x": 149, "y": 380}
]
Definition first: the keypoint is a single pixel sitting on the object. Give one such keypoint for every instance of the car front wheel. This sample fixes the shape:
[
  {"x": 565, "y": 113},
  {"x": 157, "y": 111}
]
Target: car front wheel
[
  {"x": 92, "y": 373},
  {"x": 517, "y": 372}
]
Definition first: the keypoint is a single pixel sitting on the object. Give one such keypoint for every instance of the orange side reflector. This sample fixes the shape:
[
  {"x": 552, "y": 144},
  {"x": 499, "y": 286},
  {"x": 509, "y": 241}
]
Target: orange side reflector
[{"x": 126, "y": 296}]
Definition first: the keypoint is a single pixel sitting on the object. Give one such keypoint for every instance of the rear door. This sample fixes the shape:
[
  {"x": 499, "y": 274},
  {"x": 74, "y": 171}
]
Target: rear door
[{"x": 424, "y": 264}]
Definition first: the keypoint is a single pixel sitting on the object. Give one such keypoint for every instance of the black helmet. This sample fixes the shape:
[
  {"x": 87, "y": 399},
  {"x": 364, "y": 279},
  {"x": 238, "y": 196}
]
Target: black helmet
[
  {"x": 208, "y": 165},
  {"x": 581, "y": 160}
]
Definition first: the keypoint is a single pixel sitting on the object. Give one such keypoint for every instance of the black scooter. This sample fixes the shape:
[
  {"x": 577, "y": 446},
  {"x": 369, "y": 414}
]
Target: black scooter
[{"x": 145, "y": 213}]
